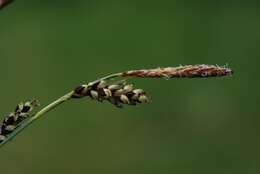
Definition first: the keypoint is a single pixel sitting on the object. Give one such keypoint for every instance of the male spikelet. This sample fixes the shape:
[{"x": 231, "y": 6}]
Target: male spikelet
[
  {"x": 187, "y": 71},
  {"x": 122, "y": 93},
  {"x": 117, "y": 93}
]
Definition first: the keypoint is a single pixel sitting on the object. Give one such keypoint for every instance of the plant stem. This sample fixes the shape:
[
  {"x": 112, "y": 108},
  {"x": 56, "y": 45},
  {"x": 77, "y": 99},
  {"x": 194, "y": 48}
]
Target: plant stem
[
  {"x": 190, "y": 71},
  {"x": 37, "y": 116},
  {"x": 111, "y": 76},
  {"x": 48, "y": 108}
]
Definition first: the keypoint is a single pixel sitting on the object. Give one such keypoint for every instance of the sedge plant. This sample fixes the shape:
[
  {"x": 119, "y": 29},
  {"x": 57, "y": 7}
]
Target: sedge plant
[{"x": 108, "y": 88}]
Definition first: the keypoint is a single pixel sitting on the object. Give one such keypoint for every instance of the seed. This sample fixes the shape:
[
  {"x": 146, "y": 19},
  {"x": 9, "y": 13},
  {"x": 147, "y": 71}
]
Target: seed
[
  {"x": 22, "y": 115},
  {"x": 9, "y": 119},
  {"x": 128, "y": 88},
  {"x": 113, "y": 87},
  {"x": 143, "y": 99},
  {"x": 19, "y": 107},
  {"x": 94, "y": 94},
  {"x": 107, "y": 92},
  {"x": 102, "y": 84},
  {"x": 138, "y": 91},
  {"x": 78, "y": 92},
  {"x": 85, "y": 89},
  {"x": 119, "y": 92},
  {"x": 124, "y": 99},
  {"x": 10, "y": 128},
  {"x": 135, "y": 97},
  {"x": 26, "y": 108}
]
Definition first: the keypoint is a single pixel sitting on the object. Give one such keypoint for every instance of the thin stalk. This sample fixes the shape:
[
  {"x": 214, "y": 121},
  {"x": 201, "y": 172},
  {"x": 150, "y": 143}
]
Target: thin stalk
[
  {"x": 37, "y": 116},
  {"x": 48, "y": 108},
  {"x": 189, "y": 71},
  {"x": 111, "y": 76}
]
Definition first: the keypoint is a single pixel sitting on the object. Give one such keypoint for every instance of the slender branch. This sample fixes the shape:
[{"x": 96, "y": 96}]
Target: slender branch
[
  {"x": 117, "y": 94},
  {"x": 111, "y": 76},
  {"x": 36, "y": 116},
  {"x": 48, "y": 108}
]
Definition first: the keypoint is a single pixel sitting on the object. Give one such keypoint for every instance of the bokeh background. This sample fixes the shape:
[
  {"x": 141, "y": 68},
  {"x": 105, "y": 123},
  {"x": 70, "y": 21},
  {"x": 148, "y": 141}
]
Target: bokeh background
[{"x": 192, "y": 125}]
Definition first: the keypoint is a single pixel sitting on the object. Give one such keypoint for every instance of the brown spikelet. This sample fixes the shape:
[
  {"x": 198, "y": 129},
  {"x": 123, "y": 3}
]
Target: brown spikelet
[
  {"x": 4, "y": 3},
  {"x": 188, "y": 71},
  {"x": 13, "y": 120},
  {"x": 118, "y": 93},
  {"x": 123, "y": 93}
]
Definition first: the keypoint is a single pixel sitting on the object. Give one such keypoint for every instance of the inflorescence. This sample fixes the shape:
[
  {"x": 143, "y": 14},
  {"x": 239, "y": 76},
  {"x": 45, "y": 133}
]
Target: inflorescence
[
  {"x": 14, "y": 119},
  {"x": 118, "y": 94},
  {"x": 187, "y": 71}
]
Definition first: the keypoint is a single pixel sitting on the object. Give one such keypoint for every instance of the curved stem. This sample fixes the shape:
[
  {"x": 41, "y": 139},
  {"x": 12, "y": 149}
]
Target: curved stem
[
  {"x": 48, "y": 108},
  {"x": 190, "y": 71},
  {"x": 111, "y": 76},
  {"x": 37, "y": 116}
]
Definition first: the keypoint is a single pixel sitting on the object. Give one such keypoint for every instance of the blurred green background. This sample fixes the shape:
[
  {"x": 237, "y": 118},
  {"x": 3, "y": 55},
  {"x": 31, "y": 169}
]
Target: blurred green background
[{"x": 192, "y": 126}]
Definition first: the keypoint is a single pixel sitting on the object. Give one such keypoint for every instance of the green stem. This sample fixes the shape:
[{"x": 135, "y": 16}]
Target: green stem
[
  {"x": 48, "y": 108},
  {"x": 37, "y": 116},
  {"x": 111, "y": 76}
]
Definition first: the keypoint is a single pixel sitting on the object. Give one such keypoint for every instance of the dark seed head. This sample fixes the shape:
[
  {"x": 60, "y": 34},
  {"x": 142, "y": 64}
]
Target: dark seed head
[
  {"x": 12, "y": 121},
  {"x": 118, "y": 94}
]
